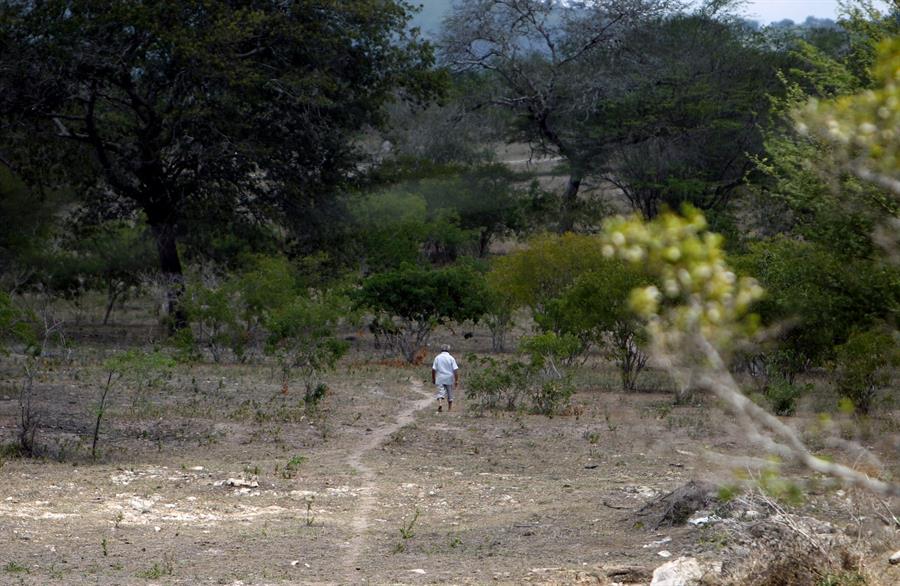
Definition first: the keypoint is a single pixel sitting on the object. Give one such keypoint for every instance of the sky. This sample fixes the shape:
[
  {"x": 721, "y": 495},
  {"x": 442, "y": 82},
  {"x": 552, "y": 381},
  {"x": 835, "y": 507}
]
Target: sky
[{"x": 766, "y": 11}]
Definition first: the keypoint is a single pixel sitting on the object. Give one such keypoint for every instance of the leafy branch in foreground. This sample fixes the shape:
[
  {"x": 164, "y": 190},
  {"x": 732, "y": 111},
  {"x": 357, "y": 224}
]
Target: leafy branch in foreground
[
  {"x": 701, "y": 315},
  {"x": 864, "y": 126}
]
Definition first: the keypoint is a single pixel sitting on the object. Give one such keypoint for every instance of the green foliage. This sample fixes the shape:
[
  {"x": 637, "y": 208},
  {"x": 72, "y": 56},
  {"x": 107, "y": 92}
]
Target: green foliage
[
  {"x": 863, "y": 366},
  {"x": 779, "y": 487},
  {"x": 266, "y": 282},
  {"x": 595, "y": 309},
  {"x": 700, "y": 294},
  {"x": 301, "y": 337},
  {"x": 542, "y": 272},
  {"x": 16, "y": 324},
  {"x": 292, "y": 466},
  {"x": 112, "y": 257},
  {"x": 818, "y": 296},
  {"x": 863, "y": 126},
  {"x": 391, "y": 227},
  {"x": 548, "y": 350},
  {"x": 435, "y": 214},
  {"x": 574, "y": 291},
  {"x": 197, "y": 113},
  {"x": 493, "y": 385},
  {"x": 498, "y": 315},
  {"x": 140, "y": 367},
  {"x": 228, "y": 313},
  {"x": 482, "y": 199},
  {"x": 31, "y": 224},
  {"x": 410, "y": 301},
  {"x": 694, "y": 88},
  {"x": 214, "y": 310},
  {"x": 134, "y": 366},
  {"x": 783, "y": 395}
]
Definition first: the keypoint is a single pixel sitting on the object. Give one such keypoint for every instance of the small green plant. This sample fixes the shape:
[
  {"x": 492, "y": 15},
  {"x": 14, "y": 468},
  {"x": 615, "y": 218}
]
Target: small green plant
[
  {"x": 290, "y": 469},
  {"x": 103, "y": 546},
  {"x": 16, "y": 568},
  {"x": 133, "y": 366},
  {"x": 406, "y": 533},
  {"x": 862, "y": 366},
  {"x": 777, "y": 486},
  {"x": 849, "y": 578},
  {"x": 158, "y": 569}
]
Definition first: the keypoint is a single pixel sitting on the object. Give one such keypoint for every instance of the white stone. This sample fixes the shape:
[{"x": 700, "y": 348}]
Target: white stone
[
  {"x": 704, "y": 520},
  {"x": 241, "y": 483},
  {"x": 665, "y": 553},
  {"x": 418, "y": 571},
  {"x": 895, "y": 559},
  {"x": 683, "y": 571}
]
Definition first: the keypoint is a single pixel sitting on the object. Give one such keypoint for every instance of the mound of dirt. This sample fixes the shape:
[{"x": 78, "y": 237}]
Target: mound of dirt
[{"x": 676, "y": 507}]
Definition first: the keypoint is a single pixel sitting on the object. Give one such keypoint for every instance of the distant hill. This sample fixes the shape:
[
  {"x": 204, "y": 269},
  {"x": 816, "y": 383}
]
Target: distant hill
[{"x": 431, "y": 16}]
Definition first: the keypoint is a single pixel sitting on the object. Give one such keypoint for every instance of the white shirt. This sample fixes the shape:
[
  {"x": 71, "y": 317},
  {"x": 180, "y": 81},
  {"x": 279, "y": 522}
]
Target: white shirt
[{"x": 444, "y": 366}]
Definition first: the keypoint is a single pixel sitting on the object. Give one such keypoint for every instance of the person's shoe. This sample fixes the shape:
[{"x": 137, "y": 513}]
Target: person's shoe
[
  {"x": 440, "y": 408},
  {"x": 449, "y": 405}
]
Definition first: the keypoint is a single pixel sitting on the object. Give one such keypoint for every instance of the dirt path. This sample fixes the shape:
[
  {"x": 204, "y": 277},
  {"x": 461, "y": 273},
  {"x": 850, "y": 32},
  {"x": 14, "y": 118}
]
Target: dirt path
[{"x": 369, "y": 485}]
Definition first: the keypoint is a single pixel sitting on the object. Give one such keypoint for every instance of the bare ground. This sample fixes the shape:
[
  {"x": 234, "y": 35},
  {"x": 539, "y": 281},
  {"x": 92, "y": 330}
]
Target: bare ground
[{"x": 386, "y": 490}]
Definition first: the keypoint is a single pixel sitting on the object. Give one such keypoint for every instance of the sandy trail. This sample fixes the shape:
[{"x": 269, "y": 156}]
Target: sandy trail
[{"x": 369, "y": 484}]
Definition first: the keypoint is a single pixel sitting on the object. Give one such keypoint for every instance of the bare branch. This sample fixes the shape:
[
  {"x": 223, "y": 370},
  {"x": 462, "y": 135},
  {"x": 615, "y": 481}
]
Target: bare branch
[{"x": 762, "y": 427}]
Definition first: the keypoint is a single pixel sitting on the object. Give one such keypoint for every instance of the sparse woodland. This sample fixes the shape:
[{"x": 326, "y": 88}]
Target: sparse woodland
[{"x": 663, "y": 242}]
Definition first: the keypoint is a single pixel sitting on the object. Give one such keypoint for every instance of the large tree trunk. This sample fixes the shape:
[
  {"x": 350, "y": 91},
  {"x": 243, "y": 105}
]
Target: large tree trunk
[
  {"x": 569, "y": 203},
  {"x": 170, "y": 267}
]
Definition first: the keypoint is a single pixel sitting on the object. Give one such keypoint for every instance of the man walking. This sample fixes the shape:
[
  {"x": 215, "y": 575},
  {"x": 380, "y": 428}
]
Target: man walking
[{"x": 445, "y": 375}]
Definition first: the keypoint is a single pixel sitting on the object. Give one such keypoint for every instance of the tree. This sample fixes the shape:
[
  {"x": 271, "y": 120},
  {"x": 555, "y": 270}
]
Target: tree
[
  {"x": 540, "y": 56},
  {"x": 31, "y": 225},
  {"x": 113, "y": 257},
  {"x": 691, "y": 94},
  {"x": 816, "y": 298},
  {"x": 541, "y": 273},
  {"x": 452, "y": 131},
  {"x": 411, "y": 301},
  {"x": 701, "y": 315},
  {"x": 200, "y": 108},
  {"x": 482, "y": 198},
  {"x": 596, "y": 309},
  {"x": 301, "y": 335},
  {"x": 863, "y": 364}
]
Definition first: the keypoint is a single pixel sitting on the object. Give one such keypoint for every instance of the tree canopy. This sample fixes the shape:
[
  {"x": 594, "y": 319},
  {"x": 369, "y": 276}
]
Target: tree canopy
[{"x": 200, "y": 109}]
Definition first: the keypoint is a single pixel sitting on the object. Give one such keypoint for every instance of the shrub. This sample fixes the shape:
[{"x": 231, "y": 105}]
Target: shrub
[
  {"x": 549, "y": 351},
  {"x": 301, "y": 336},
  {"x": 409, "y": 302},
  {"x": 228, "y": 313},
  {"x": 493, "y": 385},
  {"x": 818, "y": 297},
  {"x": 595, "y": 309},
  {"x": 213, "y": 307},
  {"x": 782, "y": 396},
  {"x": 862, "y": 366},
  {"x": 142, "y": 368}
]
